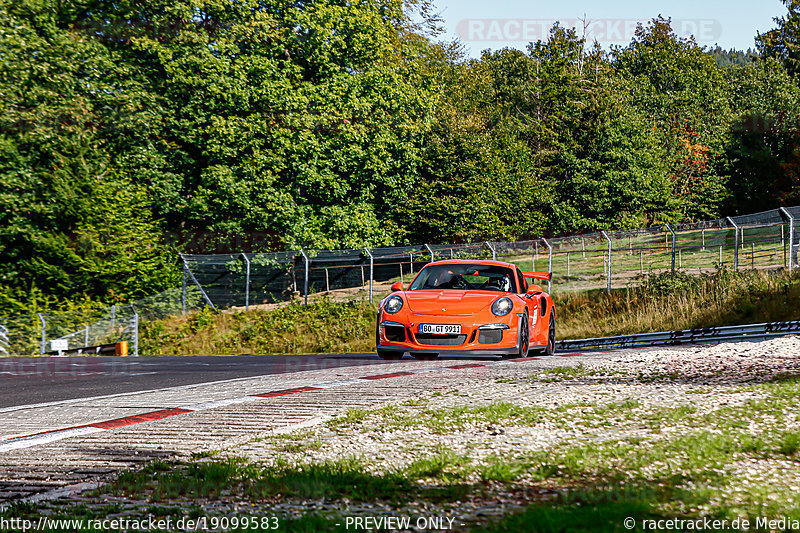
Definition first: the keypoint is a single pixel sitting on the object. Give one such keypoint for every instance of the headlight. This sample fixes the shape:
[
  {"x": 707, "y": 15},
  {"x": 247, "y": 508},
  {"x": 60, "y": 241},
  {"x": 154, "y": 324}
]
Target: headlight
[
  {"x": 502, "y": 307},
  {"x": 393, "y": 304}
]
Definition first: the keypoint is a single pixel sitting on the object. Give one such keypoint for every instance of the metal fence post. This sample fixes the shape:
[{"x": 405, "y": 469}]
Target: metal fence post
[
  {"x": 735, "y": 244},
  {"x": 789, "y": 217},
  {"x": 608, "y": 288},
  {"x": 113, "y": 316},
  {"x": 549, "y": 260},
  {"x": 669, "y": 228},
  {"x": 428, "y": 246},
  {"x": 305, "y": 280},
  {"x": 783, "y": 245},
  {"x": 494, "y": 253},
  {"x": 135, "y": 331},
  {"x": 44, "y": 334},
  {"x": 783, "y": 237},
  {"x": 194, "y": 279},
  {"x": 183, "y": 294},
  {"x": 371, "y": 267},
  {"x": 247, "y": 284}
]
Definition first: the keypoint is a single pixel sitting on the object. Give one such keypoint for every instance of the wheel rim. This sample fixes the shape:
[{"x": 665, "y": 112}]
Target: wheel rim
[{"x": 523, "y": 341}]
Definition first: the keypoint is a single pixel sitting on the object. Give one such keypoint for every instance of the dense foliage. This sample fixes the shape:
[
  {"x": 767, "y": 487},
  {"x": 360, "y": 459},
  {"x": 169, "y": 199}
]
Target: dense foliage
[{"x": 132, "y": 130}]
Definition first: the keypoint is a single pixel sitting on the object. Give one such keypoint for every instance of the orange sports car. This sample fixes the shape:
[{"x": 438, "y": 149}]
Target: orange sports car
[{"x": 467, "y": 307}]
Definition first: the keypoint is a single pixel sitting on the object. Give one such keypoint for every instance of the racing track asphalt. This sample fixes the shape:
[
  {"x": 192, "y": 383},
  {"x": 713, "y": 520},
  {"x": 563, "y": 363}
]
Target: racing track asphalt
[{"x": 33, "y": 380}]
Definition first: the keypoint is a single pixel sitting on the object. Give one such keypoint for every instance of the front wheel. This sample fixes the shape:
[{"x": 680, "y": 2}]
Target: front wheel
[{"x": 524, "y": 339}]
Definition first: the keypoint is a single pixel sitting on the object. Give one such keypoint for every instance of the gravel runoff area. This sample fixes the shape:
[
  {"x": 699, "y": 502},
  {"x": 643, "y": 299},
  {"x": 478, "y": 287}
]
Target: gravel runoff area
[{"x": 692, "y": 432}]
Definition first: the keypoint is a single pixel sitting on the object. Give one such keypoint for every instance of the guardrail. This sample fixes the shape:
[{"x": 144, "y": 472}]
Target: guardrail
[{"x": 749, "y": 332}]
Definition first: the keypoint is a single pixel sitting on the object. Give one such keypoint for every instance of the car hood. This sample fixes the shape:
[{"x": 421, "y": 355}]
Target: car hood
[{"x": 450, "y": 302}]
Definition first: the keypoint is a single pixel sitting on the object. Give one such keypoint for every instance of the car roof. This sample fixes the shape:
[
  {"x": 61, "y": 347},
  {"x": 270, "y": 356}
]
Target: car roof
[{"x": 472, "y": 262}]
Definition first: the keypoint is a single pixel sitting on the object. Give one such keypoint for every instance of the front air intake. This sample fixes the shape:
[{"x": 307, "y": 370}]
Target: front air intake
[{"x": 490, "y": 336}]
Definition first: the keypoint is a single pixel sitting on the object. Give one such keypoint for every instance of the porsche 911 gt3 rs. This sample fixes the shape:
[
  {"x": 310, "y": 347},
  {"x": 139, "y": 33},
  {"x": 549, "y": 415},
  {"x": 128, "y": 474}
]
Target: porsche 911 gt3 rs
[{"x": 469, "y": 307}]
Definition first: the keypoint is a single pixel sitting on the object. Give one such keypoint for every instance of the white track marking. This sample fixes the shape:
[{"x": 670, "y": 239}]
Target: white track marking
[{"x": 37, "y": 440}]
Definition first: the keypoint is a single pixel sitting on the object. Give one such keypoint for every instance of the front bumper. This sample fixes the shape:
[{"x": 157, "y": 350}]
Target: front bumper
[
  {"x": 498, "y": 338},
  {"x": 449, "y": 349}
]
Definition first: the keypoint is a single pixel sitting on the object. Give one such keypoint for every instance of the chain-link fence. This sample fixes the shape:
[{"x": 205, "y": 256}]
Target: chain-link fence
[
  {"x": 90, "y": 332},
  {"x": 607, "y": 260}
]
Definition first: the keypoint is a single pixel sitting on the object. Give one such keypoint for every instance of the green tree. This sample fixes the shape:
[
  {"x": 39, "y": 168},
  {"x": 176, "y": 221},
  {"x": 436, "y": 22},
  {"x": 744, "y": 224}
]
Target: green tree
[
  {"x": 681, "y": 90},
  {"x": 585, "y": 141},
  {"x": 783, "y": 42},
  {"x": 763, "y": 152},
  {"x": 62, "y": 193}
]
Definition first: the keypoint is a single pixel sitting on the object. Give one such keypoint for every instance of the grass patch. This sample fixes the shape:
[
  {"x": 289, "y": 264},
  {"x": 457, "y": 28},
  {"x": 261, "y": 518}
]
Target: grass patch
[
  {"x": 444, "y": 465},
  {"x": 601, "y": 508},
  {"x": 352, "y": 416},
  {"x": 288, "y": 446},
  {"x": 498, "y": 468},
  {"x": 789, "y": 443},
  {"x": 344, "y": 478},
  {"x": 439, "y": 420},
  {"x": 321, "y": 327},
  {"x": 564, "y": 373}
]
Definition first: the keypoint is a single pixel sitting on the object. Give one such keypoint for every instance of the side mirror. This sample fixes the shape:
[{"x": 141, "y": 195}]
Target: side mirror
[
  {"x": 533, "y": 290},
  {"x": 397, "y": 286}
]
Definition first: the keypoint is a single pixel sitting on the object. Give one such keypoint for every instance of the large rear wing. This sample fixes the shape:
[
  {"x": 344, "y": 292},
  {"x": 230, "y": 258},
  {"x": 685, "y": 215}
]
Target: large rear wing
[{"x": 546, "y": 276}]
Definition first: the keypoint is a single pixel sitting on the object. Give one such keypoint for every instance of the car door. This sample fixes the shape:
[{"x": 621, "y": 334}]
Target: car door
[{"x": 529, "y": 303}]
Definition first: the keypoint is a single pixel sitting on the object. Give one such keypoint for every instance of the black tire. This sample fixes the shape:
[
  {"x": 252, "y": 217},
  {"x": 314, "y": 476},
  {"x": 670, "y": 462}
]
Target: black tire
[
  {"x": 550, "y": 349},
  {"x": 424, "y": 356},
  {"x": 390, "y": 355},
  {"x": 524, "y": 345}
]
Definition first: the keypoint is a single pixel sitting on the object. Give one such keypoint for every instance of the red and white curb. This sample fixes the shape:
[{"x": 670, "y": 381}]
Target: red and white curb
[{"x": 53, "y": 435}]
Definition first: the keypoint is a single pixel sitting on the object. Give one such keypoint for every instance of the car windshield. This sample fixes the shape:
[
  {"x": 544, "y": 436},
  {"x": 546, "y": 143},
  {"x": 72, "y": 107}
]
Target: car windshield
[{"x": 465, "y": 277}]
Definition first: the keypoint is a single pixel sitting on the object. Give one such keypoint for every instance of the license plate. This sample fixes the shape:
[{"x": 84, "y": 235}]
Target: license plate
[{"x": 440, "y": 329}]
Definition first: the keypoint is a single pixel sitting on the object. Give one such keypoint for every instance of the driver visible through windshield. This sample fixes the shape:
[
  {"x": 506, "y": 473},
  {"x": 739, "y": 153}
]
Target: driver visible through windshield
[{"x": 465, "y": 277}]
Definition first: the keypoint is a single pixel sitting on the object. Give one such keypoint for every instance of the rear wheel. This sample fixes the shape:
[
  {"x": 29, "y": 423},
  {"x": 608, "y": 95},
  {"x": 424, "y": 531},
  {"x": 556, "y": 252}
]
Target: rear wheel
[
  {"x": 550, "y": 349},
  {"x": 424, "y": 356},
  {"x": 390, "y": 355}
]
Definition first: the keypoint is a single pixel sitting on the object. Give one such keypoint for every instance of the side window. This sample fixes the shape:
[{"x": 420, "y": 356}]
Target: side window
[
  {"x": 521, "y": 278},
  {"x": 543, "y": 305}
]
